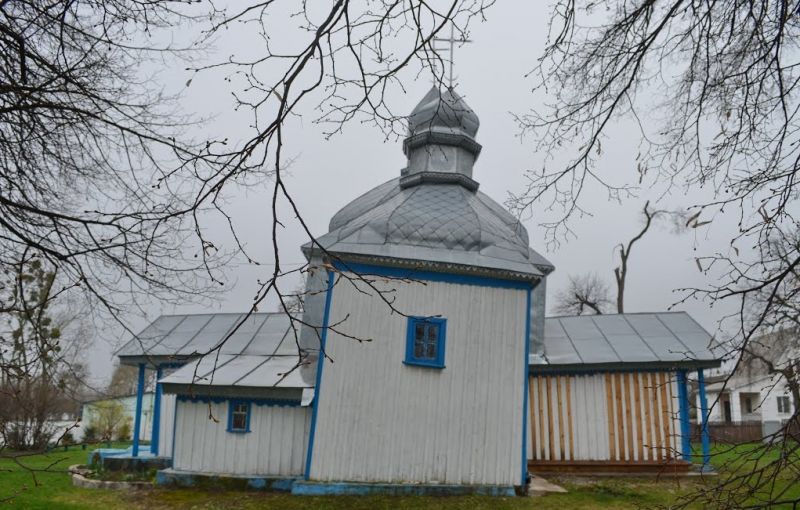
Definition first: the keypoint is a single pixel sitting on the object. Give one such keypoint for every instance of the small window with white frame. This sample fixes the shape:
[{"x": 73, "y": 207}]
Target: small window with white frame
[
  {"x": 238, "y": 416},
  {"x": 784, "y": 407}
]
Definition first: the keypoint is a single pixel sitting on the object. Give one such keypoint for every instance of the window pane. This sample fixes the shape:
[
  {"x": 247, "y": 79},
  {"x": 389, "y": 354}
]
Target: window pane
[
  {"x": 419, "y": 331},
  {"x": 431, "y": 352},
  {"x": 240, "y": 408},
  {"x": 239, "y": 421},
  {"x": 433, "y": 332},
  {"x": 419, "y": 348}
]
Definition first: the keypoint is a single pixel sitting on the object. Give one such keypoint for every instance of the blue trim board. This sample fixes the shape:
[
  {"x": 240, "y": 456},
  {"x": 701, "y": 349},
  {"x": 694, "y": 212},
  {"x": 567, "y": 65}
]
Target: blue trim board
[
  {"x": 706, "y": 440},
  {"x": 155, "y": 435},
  {"x": 305, "y": 488},
  {"x": 137, "y": 418},
  {"x": 525, "y": 384},
  {"x": 413, "y": 274},
  {"x": 172, "y": 477},
  {"x": 320, "y": 362},
  {"x": 683, "y": 406},
  {"x": 270, "y": 402},
  {"x": 411, "y": 359}
]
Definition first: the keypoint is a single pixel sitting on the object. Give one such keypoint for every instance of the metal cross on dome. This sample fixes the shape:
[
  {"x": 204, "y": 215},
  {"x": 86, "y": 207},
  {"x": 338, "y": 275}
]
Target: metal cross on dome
[{"x": 451, "y": 49}]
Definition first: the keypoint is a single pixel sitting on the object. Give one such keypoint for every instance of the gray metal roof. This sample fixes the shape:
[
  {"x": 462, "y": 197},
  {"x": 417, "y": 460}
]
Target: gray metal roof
[
  {"x": 240, "y": 371},
  {"x": 178, "y": 337},
  {"x": 443, "y": 223},
  {"x": 668, "y": 338},
  {"x": 433, "y": 214},
  {"x": 443, "y": 110}
]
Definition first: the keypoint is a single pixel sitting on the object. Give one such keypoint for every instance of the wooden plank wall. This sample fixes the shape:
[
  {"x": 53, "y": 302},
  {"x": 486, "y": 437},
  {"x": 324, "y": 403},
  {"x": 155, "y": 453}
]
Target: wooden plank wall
[{"x": 621, "y": 416}]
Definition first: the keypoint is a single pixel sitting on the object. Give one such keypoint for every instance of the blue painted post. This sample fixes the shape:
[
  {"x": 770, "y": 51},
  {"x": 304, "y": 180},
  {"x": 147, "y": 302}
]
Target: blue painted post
[
  {"x": 156, "y": 433},
  {"x": 683, "y": 406},
  {"x": 526, "y": 372},
  {"x": 701, "y": 384},
  {"x": 137, "y": 418}
]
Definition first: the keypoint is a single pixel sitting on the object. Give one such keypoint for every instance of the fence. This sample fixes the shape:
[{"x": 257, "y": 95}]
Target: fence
[
  {"x": 732, "y": 433},
  {"x": 743, "y": 432}
]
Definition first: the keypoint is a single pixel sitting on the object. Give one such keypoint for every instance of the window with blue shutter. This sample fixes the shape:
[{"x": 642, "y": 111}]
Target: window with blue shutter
[{"x": 425, "y": 341}]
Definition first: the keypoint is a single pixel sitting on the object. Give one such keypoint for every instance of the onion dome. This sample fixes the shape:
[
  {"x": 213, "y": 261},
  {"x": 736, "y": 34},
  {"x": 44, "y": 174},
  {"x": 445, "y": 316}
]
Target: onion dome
[{"x": 433, "y": 217}]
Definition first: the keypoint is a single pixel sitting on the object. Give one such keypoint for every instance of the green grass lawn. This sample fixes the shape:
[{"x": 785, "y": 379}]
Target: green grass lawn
[{"x": 52, "y": 489}]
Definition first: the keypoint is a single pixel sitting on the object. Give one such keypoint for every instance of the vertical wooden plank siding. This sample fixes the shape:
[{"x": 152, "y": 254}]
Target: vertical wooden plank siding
[
  {"x": 572, "y": 421},
  {"x": 560, "y": 419},
  {"x": 626, "y": 378},
  {"x": 648, "y": 426},
  {"x": 666, "y": 417},
  {"x": 569, "y": 420},
  {"x": 541, "y": 416},
  {"x": 620, "y": 416},
  {"x": 612, "y": 442}
]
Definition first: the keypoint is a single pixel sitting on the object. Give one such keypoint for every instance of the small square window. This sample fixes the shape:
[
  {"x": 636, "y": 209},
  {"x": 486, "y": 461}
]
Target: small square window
[
  {"x": 238, "y": 416},
  {"x": 783, "y": 405},
  {"x": 425, "y": 341}
]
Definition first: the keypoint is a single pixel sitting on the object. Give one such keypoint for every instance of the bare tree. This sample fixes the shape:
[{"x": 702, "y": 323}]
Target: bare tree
[
  {"x": 589, "y": 292},
  {"x": 584, "y": 294}
]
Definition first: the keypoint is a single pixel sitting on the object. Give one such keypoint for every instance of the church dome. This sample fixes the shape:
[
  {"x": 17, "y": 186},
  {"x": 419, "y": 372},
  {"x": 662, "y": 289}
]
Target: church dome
[
  {"x": 433, "y": 215},
  {"x": 444, "y": 111}
]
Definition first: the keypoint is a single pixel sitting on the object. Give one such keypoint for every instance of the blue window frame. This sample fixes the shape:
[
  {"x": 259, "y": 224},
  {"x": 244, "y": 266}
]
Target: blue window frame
[
  {"x": 238, "y": 416},
  {"x": 425, "y": 341}
]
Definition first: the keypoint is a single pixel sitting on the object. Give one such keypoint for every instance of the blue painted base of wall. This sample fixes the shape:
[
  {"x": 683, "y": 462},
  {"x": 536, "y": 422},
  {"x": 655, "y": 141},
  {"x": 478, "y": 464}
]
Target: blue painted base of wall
[
  {"x": 306, "y": 488},
  {"x": 121, "y": 459},
  {"x": 171, "y": 477}
]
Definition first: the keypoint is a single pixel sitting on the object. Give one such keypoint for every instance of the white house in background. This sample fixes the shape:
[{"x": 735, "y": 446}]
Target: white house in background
[
  {"x": 752, "y": 393},
  {"x": 461, "y": 386},
  {"x": 90, "y": 410}
]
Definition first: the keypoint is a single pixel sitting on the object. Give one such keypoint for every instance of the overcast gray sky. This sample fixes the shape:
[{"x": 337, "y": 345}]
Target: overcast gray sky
[{"x": 491, "y": 71}]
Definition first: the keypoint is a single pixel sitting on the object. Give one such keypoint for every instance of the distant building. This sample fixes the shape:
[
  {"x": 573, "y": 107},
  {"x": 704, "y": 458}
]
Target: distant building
[{"x": 752, "y": 393}]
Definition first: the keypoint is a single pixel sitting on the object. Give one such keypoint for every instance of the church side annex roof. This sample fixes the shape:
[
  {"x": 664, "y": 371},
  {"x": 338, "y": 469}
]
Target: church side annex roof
[
  {"x": 623, "y": 341},
  {"x": 433, "y": 215}
]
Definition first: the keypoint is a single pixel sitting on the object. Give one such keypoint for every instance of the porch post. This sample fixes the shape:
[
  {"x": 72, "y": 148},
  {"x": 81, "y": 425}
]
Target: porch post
[
  {"x": 137, "y": 418},
  {"x": 156, "y": 432},
  {"x": 683, "y": 406},
  {"x": 701, "y": 388}
]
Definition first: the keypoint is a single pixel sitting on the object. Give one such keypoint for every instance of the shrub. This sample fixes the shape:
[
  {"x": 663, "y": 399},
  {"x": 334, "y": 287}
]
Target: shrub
[
  {"x": 89, "y": 434},
  {"x": 124, "y": 432}
]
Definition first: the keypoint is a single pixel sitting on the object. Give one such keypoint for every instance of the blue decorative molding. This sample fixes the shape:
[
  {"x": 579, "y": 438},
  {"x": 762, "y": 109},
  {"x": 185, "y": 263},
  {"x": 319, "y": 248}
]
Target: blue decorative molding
[
  {"x": 270, "y": 402},
  {"x": 441, "y": 337},
  {"x": 432, "y": 276},
  {"x": 318, "y": 384}
]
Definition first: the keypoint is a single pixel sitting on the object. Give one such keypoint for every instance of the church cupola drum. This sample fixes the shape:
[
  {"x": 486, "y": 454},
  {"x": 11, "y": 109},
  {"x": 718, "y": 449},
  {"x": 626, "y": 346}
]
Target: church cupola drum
[{"x": 437, "y": 393}]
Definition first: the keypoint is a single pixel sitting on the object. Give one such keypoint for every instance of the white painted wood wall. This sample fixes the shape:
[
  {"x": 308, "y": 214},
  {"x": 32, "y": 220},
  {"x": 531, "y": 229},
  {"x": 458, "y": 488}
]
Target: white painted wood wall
[
  {"x": 380, "y": 420},
  {"x": 275, "y": 445},
  {"x": 166, "y": 422},
  {"x": 631, "y": 417}
]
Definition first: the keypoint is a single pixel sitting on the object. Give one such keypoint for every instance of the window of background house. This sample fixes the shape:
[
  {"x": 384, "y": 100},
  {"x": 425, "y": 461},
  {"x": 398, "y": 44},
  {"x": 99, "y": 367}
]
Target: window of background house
[{"x": 783, "y": 405}]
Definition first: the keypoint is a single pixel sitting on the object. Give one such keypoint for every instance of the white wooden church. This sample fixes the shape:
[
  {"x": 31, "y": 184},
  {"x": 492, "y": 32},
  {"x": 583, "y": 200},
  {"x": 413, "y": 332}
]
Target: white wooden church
[{"x": 461, "y": 385}]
